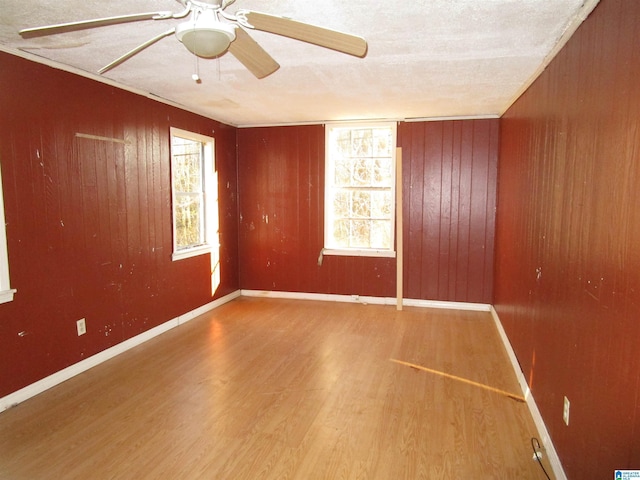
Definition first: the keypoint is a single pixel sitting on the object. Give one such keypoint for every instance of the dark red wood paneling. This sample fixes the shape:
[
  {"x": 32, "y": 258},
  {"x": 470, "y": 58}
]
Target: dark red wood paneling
[
  {"x": 89, "y": 222},
  {"x": 567, "y": 283},
  {"x": 449, "y": 176},
  {"x": 281, "y": 171}
]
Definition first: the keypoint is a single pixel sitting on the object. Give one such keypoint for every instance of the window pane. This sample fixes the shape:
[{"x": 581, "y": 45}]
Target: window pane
[
  {"x": 380, "y": 234},
  {"x": 342, "y": 204},
  {"x": 360, "y": 233},
  {"x": 361, "y": 204},
  {"x": 187, "y": 165},
  {"x": 194, "y": 193},
  {"x": 342, "y": 177},
  {"x": 382, "y": 142},
  {"x": 342, "y": 143},
  {"x": 188, "y": 218},
  {"x": 361, "y": 172},
  {"x": 382, "y": 174},
  {"x": 188, "y": 175},
  {"x": 188, "y": 186},
  {"x": 361, "y": 143},
  {"x": 381, "y": 204},
  {"x": 360, "y": 186},
  {"x": 341, "y": 233}
]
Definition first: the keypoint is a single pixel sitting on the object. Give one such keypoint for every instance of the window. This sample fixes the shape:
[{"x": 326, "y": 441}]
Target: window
[
  {"x": 6, "y": 292},
  {"x": 194, "y": 194},
  {"x": 360, "y": 189}
]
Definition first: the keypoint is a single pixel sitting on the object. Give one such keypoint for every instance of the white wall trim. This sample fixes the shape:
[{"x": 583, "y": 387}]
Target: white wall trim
[
  {"x": 6, "y": 292},
  {"x": 327, "y": 297},
  {"x": 552, "y": 455},
  {"x": 46, "y": 383},
  {"x": 453, "y": 117}
]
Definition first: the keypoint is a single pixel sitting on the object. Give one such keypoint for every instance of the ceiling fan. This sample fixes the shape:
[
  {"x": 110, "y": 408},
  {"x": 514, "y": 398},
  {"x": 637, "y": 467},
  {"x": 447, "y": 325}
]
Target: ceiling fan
[{"x": 211, "y": 32}]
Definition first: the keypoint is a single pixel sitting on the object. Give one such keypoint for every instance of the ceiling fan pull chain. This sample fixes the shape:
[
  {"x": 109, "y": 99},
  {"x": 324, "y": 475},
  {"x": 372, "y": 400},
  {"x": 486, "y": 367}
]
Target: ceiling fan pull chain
[{"x": 196, "y": 75}]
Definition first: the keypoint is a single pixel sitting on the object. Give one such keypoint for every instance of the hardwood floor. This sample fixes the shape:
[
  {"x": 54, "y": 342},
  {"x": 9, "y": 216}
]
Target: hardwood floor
[{"x": 285, "y": 389}]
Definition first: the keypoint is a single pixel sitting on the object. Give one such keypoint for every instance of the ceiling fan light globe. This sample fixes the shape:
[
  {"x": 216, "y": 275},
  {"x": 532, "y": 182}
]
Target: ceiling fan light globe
[{"x": 207, "y": 40}]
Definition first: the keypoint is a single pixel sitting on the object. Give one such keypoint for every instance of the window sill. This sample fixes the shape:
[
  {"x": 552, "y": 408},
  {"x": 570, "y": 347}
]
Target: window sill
[
  {"x": 7, "y": 295},
  {"x": 192, "y": 252},
  {"x": 348, "y": 252}
]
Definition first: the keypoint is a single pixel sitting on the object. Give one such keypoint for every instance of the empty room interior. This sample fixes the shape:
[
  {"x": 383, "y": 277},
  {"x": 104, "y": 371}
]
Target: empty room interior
[{"x": 404, "y": 243}]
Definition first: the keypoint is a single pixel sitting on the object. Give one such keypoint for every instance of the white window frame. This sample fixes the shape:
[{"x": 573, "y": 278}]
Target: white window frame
[
  {"x": 210, "y": 195},
  {"x": 6, "y": 292},
  {"x": 330, "y": 249}
]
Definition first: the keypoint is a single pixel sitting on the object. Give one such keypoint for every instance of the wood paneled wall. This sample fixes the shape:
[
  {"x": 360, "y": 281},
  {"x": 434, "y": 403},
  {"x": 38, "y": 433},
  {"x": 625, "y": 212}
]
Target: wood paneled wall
[
  {"x": 449, "y": 172},
  {"x": 567, "y": 285},
  {"x": 89, "y": 221},
  {"x": 449, "y": 202},
  {"x": 281, "y": 190}
]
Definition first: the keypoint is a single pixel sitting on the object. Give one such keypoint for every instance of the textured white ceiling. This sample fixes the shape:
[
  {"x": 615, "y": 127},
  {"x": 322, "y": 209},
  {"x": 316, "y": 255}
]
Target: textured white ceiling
[{"x": 426, "y": 58}]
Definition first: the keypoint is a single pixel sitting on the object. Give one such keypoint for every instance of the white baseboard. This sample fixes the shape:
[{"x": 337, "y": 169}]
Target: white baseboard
[
  {"x": 84, "y": 365},
  {"x": 550, "y": 450},
  {"x": 52, "y": 380},
  {"x": 327, "y": 297}
]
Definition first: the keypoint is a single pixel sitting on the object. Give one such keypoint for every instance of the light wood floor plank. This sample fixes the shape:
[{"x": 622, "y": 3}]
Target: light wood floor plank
[{"x": 285, "y": 389}]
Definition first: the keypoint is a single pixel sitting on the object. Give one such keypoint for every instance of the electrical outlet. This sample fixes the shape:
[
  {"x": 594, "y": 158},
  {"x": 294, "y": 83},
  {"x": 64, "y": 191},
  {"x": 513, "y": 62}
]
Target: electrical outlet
[
  {"x": 565, "y": 411},
  {"x": 81, "y": 326}
]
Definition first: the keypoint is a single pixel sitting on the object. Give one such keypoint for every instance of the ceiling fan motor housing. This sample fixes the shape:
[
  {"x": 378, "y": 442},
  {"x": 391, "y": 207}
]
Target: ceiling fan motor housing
[{"x": 207, "y": 36}]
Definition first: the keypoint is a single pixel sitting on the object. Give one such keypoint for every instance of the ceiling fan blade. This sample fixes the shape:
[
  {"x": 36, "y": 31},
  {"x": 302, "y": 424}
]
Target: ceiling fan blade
[
  {"x": 96, "y": 22},
  {"x": 252, "y": 55},
  {"x": 324, "y": 37},
  {"x": 136, "y": 50}
]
